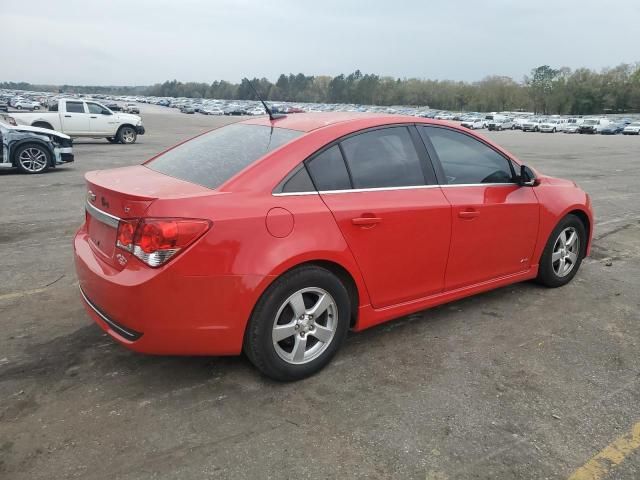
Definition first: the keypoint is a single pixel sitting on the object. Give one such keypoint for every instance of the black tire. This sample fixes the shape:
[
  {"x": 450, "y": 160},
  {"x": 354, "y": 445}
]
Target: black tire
[
  {"x": 554, "y": 130},
  {"x": 546, "y": 273},
  {"x": 112, "y": 140},
  {"x": 32, "y": 150},
  {"x": 258, "y": 343},
  {"x": 19, "y": 107},
  {"x": 127, "y": 135}
]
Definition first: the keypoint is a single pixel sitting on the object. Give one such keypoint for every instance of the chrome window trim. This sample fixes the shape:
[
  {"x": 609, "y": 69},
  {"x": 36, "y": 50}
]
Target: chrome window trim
[
  {"x": 382, "y": 189},
  {"x": 102, "y": 216}
]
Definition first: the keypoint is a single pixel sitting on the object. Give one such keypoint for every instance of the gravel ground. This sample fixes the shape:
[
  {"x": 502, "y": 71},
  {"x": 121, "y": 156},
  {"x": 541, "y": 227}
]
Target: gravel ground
[{"x": 521, "y": 382}]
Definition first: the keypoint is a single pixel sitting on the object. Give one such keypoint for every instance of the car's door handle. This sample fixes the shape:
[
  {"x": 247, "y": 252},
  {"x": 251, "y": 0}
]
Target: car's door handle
[
  {"x": 67, "y": 116},
  {"x": 93, "y": 117},
  {"x": 366, "y": 221},
  {"x": 468, "y": 214}
]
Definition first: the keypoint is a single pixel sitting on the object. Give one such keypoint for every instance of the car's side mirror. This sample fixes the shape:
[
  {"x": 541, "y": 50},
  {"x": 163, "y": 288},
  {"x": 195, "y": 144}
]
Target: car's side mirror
[{"x": 526, "y": 177}]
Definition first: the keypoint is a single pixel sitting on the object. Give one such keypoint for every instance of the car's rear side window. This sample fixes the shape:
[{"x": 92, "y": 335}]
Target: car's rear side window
[
  {"x": 213, "y": 158},
  {"x": 328, "y": 170},
  {"x": 75, "y": 107}
]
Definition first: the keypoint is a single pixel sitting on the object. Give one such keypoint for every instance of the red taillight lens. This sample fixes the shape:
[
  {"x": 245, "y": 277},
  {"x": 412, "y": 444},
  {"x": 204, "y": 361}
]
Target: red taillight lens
[
  {"x": 156, "y": 240},
  {"x": 126, "y": 231}
]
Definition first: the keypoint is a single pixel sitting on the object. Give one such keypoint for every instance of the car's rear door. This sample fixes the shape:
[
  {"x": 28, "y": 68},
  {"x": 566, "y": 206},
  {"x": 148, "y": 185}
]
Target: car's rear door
[
  {"x": 382, "y": 192},
  {"x": 494, "y": 220},
  {"x": 75, "y": 118}
]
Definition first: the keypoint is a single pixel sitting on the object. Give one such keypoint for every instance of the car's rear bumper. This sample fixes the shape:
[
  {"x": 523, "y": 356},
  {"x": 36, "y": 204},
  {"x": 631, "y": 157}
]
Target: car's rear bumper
[{"x": 165, "y": 310}]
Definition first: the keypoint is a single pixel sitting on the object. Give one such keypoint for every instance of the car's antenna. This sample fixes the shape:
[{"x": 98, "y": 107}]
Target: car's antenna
[{"x": 272, "y": 116}]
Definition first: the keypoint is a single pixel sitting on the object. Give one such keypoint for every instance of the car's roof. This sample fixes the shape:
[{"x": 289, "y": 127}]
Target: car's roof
[{"x": 306, "y": 122}]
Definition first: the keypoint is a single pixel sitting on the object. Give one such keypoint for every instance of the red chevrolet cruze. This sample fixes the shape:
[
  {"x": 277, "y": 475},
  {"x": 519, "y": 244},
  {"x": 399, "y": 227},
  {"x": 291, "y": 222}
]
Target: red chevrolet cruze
[{"x": 275, "y": 237}]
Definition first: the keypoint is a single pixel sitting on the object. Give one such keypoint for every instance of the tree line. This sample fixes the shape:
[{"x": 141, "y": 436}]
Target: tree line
[{"x": 546, "y": 90}]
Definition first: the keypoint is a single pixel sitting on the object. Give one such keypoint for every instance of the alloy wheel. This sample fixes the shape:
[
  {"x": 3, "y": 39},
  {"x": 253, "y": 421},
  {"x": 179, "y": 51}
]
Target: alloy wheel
[
  {"x": 33, "y": 159},
  {"x": 128, "y": 135},
  {"x": 565, "y": 252},
  {"x": 304, "y": 325}
]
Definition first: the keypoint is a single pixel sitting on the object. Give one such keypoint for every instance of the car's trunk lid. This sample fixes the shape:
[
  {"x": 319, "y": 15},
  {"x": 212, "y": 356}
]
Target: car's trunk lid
[{"x": 123, "y": 193}]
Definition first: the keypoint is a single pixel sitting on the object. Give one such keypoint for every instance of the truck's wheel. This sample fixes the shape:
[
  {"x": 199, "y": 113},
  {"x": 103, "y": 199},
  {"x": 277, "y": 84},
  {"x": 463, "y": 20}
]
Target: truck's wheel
[
  {"x": 32, "y": 158},
  {"x": 127, "y": 135},
  {"x": 112, "y": 140}
]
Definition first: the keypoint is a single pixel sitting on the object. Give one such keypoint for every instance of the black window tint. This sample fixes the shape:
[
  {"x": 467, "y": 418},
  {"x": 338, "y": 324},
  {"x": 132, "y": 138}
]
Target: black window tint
[
  {"x": 300, "y": 181},
  {"x": 213, "y": 158},
  {"x": 96, "y": 109},
  {"x": 75, "y": 107},
  {"x": 329, "y": 171},
  {"x": 467, "y": 160},
  {"x": 383, "y": 158}
]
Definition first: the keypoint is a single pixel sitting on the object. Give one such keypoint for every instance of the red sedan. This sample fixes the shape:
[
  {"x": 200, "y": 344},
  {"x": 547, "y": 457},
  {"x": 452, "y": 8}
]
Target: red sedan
[{"x": 277, "y": 237}]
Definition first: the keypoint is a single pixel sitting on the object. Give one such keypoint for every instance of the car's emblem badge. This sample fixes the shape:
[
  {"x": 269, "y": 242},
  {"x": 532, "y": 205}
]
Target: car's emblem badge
[{"x": 91, "y": 196}]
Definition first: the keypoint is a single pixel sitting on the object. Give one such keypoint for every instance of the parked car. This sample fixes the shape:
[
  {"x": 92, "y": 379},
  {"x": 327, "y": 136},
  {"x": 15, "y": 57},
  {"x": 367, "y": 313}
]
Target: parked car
[
  {"x": 532, "y": 124},
  {"x": 33, "y": 149},
  {"x": 277, "y": 237},
  {"x": 498, "y": 124},
  {"x": 187, "y": 109},
  {"x": 552, "y": 125},
  {"x": 473, "y": 123},
  {"x": 113, "y": 106},
  {"x": 572, "y": 125},
  {"x": 131, "y": 108},
  {"x": 612, "y": 128},
  {"x": 4, "y": 106},
  {"x": 632, "y": 129},
  {"x": 84, "y": 118},
  {"x": 27, "y": 105},
  {"x": 593, "y": 125}
]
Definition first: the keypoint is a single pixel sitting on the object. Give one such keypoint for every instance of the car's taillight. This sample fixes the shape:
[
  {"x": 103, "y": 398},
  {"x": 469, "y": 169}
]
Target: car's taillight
[{"x": 156, "y": 240}]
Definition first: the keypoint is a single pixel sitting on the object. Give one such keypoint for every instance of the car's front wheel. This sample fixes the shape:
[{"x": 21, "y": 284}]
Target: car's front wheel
[
  {"x": 298, "y": 324},
  {"x": 563, "y": 253},
  {"x": 32, "y": 158},
  {"x": 127, "y": 135}
]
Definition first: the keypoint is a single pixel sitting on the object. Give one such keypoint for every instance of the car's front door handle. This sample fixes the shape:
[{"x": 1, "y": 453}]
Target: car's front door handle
[
  {"x": 67, "y": 116},
  {"x": 366, "y": 221},
  {"x": 93, "y": 117},
  {"x": 468, "y": 214}
]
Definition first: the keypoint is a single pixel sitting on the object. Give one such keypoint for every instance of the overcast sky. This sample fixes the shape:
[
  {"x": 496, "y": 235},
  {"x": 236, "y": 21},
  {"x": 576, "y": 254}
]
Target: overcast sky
[{"x": 140, "y": 42}]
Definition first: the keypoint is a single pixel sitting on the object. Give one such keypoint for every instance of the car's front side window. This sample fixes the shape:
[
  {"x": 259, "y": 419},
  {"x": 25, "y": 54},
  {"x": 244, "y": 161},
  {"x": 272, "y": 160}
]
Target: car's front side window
[
  {"x": 97, "y": 109},
  {"x": 466, "y": 160},
  {"x": 383, "y": 158}
]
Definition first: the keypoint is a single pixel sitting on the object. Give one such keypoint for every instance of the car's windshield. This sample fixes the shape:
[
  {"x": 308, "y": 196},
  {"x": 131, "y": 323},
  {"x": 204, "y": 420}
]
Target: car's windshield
[
  {"x": 213, "y": 158},
  {"x": 591, "y": 122}
]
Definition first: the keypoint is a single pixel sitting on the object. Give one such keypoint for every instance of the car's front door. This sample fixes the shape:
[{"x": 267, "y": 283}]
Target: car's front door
[
  {"x": 494, "y": 220},
  {"x": 75, "y": 120},
  {"x": 382, "y": 191},
  {"x": 100, "y": 119}
]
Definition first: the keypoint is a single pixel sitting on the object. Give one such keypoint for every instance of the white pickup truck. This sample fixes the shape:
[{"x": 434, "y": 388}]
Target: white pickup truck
[{"x": 85, "y": 118}]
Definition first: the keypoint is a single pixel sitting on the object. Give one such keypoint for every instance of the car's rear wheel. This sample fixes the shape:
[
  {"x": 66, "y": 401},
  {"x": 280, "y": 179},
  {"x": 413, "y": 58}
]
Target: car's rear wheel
[
  {"x": 127, "y": 135},
  {"x": 298, "y": 324},
  {"x": 32, "y": 158},
  {"x": 563, "y": 253}
]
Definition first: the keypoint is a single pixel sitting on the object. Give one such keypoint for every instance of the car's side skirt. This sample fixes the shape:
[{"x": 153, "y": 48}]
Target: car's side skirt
[{"x": 369, "y": 316}]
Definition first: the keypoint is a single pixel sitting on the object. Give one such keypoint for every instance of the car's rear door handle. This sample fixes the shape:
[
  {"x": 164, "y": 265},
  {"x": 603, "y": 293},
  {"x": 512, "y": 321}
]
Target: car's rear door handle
[
  {"x": 67, "y": 116},
  {"x": 366, "y": 221},
  {"x": 93, "y": 117},
  {"x": 468, "y": 214}
]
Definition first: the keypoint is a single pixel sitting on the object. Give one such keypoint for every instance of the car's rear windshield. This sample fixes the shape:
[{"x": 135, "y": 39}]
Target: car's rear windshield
[{"x": 215, "y": 157}]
